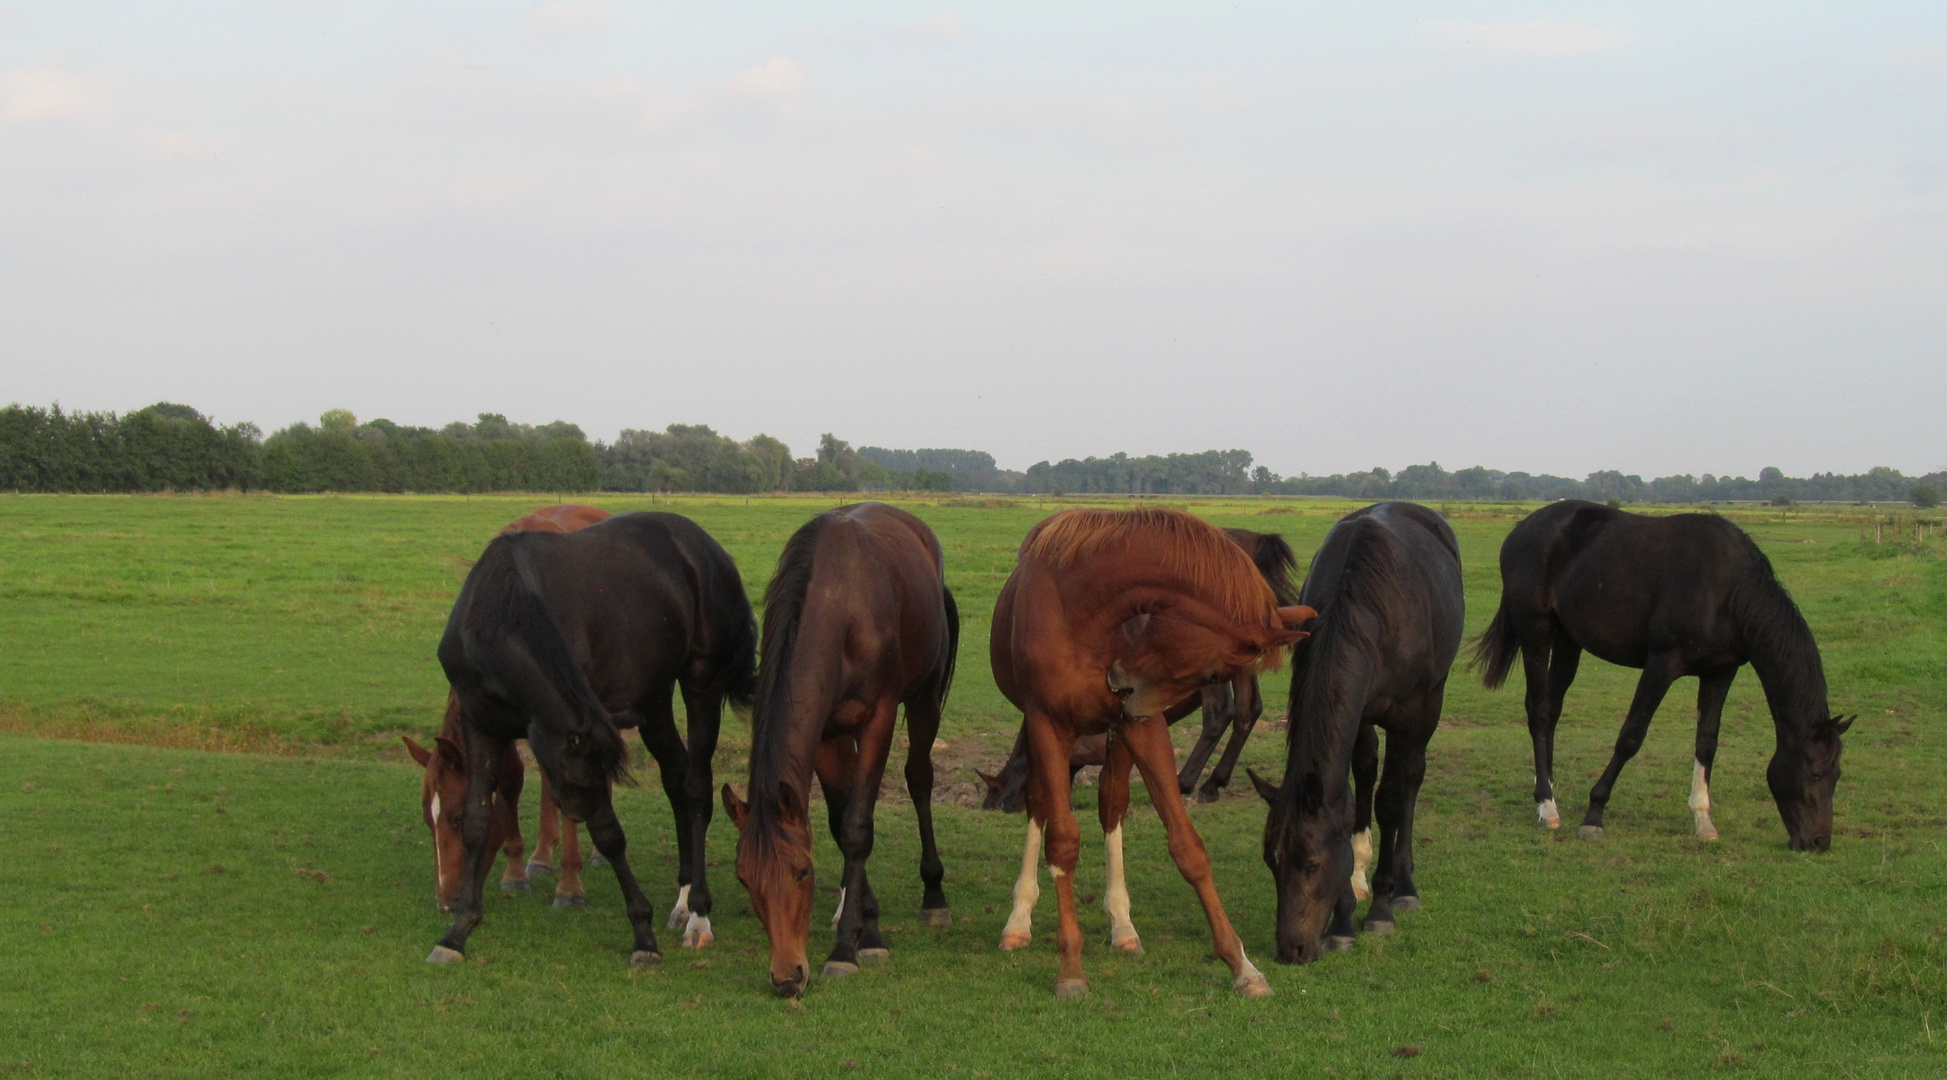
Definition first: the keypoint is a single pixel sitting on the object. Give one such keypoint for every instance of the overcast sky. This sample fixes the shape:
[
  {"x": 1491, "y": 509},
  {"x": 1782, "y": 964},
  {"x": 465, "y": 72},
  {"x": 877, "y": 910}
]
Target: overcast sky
[{"x": 1664, "y": 238}]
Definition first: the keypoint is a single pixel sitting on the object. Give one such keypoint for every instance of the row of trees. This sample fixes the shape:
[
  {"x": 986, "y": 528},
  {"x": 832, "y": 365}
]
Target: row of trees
[{"x": 168, "y": 447}]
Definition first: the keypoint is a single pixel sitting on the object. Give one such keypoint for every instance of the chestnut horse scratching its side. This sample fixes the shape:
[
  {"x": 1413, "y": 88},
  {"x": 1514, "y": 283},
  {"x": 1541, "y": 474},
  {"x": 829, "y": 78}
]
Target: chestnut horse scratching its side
[
  {"x": 1116, "y": 615},
  {"x": 857, "y": 620},
  {"x": 1688, "y": 594},
  {"x": 565, "y": 639},
  {"x": 442, "y": 790},
  {"x": 1387, "y": 585}
]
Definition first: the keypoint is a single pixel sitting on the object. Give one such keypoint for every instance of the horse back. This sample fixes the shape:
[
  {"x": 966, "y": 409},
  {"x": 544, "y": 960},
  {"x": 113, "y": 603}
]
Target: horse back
[{"x": 1387, "y": 586}]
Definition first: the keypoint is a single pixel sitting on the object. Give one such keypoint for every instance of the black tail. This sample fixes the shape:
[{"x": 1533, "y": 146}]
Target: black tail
[
  {"x": 952, "y": 644},
  {"x": 1276, "y": 561},
  {"x": 740, "y": 680},
  {"x": 505, "y": 608},
  {"x": 1495, "y": 649}
]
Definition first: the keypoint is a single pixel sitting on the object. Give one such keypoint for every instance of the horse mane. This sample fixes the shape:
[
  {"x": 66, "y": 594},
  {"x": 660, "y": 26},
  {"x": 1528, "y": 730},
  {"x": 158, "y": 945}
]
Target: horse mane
[
  {"x": 1777, "y": 641},
  {"x": 1350, "y": 624},
  {"x": 784, "y": 601},
  {"x": 1193, "y": 550}
]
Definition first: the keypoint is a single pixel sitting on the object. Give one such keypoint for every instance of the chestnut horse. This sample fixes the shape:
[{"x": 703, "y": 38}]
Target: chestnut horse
[
  {"x": 442, "y": 790},
  {"x": 564, "y": 639},
  {"x": 857, "y": 621},
  {"x": 1110, "y": 618},
  {"x": 1688, "y": 594}
]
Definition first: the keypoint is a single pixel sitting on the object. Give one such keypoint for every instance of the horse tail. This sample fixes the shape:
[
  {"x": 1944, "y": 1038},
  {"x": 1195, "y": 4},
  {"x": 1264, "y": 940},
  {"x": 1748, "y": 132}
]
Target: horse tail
[
  {"x": 740, "y": 680},
  {"x": 1494, "y": 650},
  {"x": 506, "y": 609},
  {"x": 1276, "y": 561},
  {"x": 952, "y": 645}
]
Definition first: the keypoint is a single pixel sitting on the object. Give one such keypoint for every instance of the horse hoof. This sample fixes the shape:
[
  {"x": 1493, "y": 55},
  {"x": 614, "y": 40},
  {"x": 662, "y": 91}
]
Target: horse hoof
[
  {"x": 1133, "y": 944},
  {"x": 1380, "y": 927},
  {"x": 1068, "y": 988},
  {"x": 1251, "y": 985},
  {"x": 566, "y": 900},
  {"x": 514, "y": 885},
  {"x": 838, "y": 969},
  {"x": 1340, "y": 942},
  {"x": 642, "y": 958},
  {"x": 1208, "y": 795},
  {"x": 1361, "y": 892},
  {"x": 697, "y": 933},
  {"x": 443, "y": 955},
  {"x": 1590, "y": 832},
  {"x": 936, "y": 916},
  {"x": 596, "y": 860},
  {"x": 875, "y": 954},
  {"x": 539, "y": 869},
  {"x": 677, "y": 920},
  {"x": 1707, "y": 834},
  {"x": 1406, "y": 903},
  {"x": 1015, "y": 939}
]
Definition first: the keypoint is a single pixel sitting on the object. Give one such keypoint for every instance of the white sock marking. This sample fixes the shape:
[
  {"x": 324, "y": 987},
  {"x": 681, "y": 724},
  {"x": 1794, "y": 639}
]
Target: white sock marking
[
  {"x": 1550, "y": 814},
  {"x": 1027, "y": 888},
  {"x": 1361, "y": 859},
  {"x": 439, "y": 867},
  {"x": 697, "y": 933},
  {"x": 682, "y": 908},
  {"x": 1115, "y": 894},
  {"x": 1700, "y": 802},
  {"x": 839, "y": 910}
]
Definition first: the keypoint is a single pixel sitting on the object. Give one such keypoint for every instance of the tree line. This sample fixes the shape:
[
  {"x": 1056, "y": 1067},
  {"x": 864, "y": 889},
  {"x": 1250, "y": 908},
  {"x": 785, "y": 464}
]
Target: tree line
[{"x": 171, "y": 447}]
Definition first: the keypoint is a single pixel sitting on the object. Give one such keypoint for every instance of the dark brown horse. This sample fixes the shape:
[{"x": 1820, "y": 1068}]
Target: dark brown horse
[
  {"x": 1386, "y": 583},
  {"x": 442, "y": 788},
  {"x": 857, "y": 621},
  {"x": 1233, "y": 706},
  {"x": 1110, "y": 618},
  {"x": 1688, "y": 594},
  {"x": 564, "y": 639}
]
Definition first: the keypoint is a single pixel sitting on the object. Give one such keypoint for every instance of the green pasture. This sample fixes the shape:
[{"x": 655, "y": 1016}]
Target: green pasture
[{"x": 172, "y": 911}]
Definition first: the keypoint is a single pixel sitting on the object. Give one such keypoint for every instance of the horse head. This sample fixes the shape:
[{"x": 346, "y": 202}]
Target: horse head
[
  {"x": 1803, "y": 776},
  {"x": 1308, "y": 846},
  {"x": 1181, "y": 647},
  {"x": 774, "y": 863},
  {"x": 442, "y": 801}
]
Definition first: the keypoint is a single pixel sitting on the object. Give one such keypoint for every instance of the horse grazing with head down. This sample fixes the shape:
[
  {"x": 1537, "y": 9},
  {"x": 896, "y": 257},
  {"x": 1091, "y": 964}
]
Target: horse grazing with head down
[
  {"x": 1688, "y": 594},
  {"x": 443, "y": 787},
  {"x": 564, "y": 639},
  {"x": 1110, "y": 618},
  {"x": 1235, "y": 705},
  {"x": 857, "y": 621},
  {"x": 1386, "y": 584}
]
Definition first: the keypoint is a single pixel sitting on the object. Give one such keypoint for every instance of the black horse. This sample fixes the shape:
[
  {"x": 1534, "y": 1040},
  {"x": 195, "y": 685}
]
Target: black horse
[
  {"x": 563, "y": 639},
  {"x": 1233, "y": 706},
  {"x": 1386, "y": 584},
  {"x": 1688, "y": 594}
]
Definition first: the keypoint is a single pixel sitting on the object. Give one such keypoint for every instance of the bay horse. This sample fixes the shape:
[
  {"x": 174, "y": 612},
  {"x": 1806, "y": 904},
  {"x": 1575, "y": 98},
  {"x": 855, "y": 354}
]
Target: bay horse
[
  {"x": 564, "y": 639},
  {"x": 1235, "y": 705},
  {"x": 442, "y": 789},
  {"x": 1386, "y": 583},
  {"x": 1109, "y": 619},
  {"x": 857, "y": 621},
  {"x": 1687, "y": 594}
]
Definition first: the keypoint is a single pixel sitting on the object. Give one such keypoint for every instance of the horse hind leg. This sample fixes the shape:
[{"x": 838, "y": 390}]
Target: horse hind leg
[
  {"x": 1218, "y": 707},
  {"x": 694, "y": 901},
  {"x": 1250, "y": 706},
  {"x": 1711, "y": 691},
  {"x": 1365, "y": 772},
  {"x": 922, "y": 724},
  {"x": 507, "y": 802},
  {"x": 548, "y": 835},
  {"x": 1113, "y": 807},
  {"x": 1019, "y": 931}
]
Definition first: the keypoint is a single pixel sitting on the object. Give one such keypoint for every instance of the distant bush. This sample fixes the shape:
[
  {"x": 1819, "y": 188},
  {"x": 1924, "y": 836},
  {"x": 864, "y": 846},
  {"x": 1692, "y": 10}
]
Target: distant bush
[{"x": 1924, "y": 496}]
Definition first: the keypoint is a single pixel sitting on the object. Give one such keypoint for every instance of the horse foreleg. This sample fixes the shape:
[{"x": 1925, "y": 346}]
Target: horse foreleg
[
  {"x": 1112, "y": 806},
  {"x": 1365, "y": 771},
  {"x": 1250, "y": 706},
  {"x": 1658, "y": 673},
  {"x": 1711, "y": 692},
  {"x": 1149, "y": 744},
  {"x": 569, "y": 890},
  {"x": 858, "y": 934},
  {"x": 507, "y": 821},
  {"x": 1217, "y": 711},
  {"x": 548, "y": 835},
  {"x": 476, "y": 825},
  {"x": 605, "y": 829}
]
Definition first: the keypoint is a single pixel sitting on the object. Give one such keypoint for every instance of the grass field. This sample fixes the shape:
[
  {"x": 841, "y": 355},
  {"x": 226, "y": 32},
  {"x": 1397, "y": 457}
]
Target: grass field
[{"x": 172, "y": 911}]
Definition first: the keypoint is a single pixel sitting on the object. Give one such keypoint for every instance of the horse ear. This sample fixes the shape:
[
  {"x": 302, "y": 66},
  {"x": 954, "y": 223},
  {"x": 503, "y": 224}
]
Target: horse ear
[
  {"x": 1296, "y": 616},
  {"x": 1839, "y": 726},
  {"x": 418, "y": 752},
  {"x": 993, "y": 782},
  {"x": 738, "y": 809},
  {"x": 1266, "y": 790},
  {"x": 790, "y": 804},
  {"x": 451, "y": 752},
  {"x": 1134, "y": 625}
]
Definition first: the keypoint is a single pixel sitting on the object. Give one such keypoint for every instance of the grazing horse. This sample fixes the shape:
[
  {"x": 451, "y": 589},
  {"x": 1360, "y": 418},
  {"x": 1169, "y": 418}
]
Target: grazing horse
[
  {"x": 1688, "y": 594},
  {"x": 442, "y": 789},
  {"x": 1110, "y": 618},
  {"x": 563, "y": 639},
  {"x": 1235, "y": 705},
  {"x": 1386, "y": 583},
  {"x": 857, "y": 621}
]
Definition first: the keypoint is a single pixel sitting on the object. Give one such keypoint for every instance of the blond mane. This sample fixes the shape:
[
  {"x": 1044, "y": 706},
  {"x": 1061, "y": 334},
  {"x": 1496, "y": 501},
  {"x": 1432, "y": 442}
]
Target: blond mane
[{"x": 1198, "y": 553}]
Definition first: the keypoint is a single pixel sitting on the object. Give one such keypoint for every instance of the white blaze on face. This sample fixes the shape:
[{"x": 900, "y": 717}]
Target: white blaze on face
[
  {"x": 1115, "y": 893},
  {"x": 1027, "y": 889},
  {"x": 1700, "y": 802}
]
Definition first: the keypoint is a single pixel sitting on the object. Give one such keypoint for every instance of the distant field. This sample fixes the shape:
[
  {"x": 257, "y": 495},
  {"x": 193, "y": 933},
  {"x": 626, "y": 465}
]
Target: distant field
[{"x": 306, "y": 626}]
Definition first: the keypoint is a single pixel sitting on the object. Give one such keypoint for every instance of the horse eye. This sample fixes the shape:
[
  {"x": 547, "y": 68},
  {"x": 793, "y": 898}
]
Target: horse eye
[{"x": 804, "y": 874}]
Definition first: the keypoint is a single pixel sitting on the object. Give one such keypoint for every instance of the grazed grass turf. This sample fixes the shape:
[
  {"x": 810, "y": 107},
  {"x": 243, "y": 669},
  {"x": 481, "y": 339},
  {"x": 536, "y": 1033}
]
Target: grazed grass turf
[{"x": 1646, "y": 954}]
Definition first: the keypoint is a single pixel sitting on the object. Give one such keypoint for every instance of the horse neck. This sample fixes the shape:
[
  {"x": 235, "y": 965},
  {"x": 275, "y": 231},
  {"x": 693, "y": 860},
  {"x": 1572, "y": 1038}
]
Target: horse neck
[
  {"x": 1782, "y": 651},
  {"x": 1328, "y": 699},
  {"x": 791, "y": 716}
]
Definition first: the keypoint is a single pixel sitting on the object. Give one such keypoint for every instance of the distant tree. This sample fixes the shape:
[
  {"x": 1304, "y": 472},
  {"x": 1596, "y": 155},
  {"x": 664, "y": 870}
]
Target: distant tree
[
  {"x": 337, "y": 420},
  {"x": 1924, "y": 496}
]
